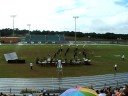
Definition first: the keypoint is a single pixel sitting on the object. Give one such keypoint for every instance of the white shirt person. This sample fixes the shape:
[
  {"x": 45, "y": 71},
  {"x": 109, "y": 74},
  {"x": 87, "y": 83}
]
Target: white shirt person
[
  {"x": 115, "y": 67},
  {"x": 31, "y": 66}
]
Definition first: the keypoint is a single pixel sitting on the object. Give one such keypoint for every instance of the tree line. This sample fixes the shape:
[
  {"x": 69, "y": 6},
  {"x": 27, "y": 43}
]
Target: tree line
[{"x": 91, "y": 35}]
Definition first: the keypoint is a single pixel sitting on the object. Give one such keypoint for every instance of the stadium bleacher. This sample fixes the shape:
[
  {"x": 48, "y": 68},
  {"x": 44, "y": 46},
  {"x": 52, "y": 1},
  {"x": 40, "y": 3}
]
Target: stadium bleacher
[{"x": 51, "y": 38}]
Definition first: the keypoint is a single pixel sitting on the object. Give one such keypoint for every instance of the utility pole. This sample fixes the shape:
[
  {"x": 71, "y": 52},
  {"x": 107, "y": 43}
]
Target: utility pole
[{"x": 29, "y": 32}]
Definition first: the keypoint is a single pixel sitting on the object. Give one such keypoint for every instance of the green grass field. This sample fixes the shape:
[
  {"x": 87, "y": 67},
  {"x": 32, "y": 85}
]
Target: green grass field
[{"x": 103, "y": 57}]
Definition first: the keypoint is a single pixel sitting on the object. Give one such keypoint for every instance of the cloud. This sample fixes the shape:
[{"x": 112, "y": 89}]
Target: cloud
[{"x": 94, "y": 15}]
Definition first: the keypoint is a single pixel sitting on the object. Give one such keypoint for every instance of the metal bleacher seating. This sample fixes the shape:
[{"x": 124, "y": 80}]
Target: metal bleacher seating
[
  {"x": 52, "y": 38},
  {"x": 44, "y": 38},
  {"x": 55, "y": 38},
  {"x": 38, "y": 38}
]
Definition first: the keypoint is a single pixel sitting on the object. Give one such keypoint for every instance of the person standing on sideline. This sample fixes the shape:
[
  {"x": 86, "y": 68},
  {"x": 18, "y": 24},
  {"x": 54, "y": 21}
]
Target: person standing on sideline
[
  {"x": 31, "y": 66},
  {"x": 115, "y": 67},
  {"x": 59, "y": 65}
]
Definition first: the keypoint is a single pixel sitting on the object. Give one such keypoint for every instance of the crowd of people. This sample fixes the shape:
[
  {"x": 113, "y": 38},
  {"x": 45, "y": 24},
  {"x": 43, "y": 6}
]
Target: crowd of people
[
  {"x": 109, "y": 91},
  {"x": 106, "y": 91}
]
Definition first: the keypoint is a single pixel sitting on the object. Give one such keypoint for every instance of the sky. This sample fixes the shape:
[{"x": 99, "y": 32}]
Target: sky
[{"x": 98, "y": 16}]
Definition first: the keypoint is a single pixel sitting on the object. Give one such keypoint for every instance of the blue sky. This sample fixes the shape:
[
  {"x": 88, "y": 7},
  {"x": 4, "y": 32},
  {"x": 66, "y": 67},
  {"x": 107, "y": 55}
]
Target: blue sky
[{"x": 98, "y": 16}]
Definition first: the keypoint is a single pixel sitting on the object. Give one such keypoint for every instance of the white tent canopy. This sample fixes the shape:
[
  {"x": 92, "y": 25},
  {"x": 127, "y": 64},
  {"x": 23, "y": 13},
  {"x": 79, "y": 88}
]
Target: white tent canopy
[{"x": 11, "y": 56}]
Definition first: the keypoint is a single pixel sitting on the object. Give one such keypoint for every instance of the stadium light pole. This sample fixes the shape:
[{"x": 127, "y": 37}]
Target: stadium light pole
[
  {"x": 29, "y": 31},
  {"x": 13, "y": 16},
  {"x": 29, "y": 28},
  {"x": 75, "y": 17},
  {"x": 45, "y": 38}
]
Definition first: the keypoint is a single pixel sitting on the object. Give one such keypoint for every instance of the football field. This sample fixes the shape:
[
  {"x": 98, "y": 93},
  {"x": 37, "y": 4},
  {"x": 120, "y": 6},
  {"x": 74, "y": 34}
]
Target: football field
[{"x": 103, "y": 58}]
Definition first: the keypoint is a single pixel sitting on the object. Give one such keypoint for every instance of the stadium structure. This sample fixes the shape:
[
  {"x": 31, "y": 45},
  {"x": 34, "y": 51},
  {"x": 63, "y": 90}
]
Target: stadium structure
[{"x": 35, "y": 39}]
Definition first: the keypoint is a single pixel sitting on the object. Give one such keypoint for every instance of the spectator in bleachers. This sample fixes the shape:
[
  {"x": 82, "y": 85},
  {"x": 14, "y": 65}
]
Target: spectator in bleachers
[
  {"x": 109, "y": 91},
  {"x": 1, "y": 94},
  {"x": 97, "y": 91},
  {"x": 125, "y": 91},
  {"x": 102, "y": 93},
  {"x": 117, "y": 92}
]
